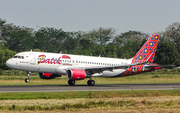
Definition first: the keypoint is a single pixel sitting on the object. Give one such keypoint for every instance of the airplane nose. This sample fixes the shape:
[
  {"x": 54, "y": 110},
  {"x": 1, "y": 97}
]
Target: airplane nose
[{"x": 9, "y": 63}]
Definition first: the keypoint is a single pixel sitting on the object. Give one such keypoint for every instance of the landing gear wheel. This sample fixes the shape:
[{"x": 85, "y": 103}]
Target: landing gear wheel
[
  {"x": 71, "y": 82},
  {"x": 91, "y": 82},
  {"x": 27, "y": 80}
]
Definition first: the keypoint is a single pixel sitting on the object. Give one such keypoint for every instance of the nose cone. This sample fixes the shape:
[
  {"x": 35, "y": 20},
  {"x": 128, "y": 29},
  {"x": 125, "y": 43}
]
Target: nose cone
[{"x": 9, "y": 63}]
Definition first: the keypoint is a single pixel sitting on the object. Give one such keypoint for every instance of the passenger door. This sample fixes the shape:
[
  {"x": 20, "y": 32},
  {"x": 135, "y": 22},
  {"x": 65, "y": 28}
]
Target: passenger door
[{"x": 32, "y": 59}]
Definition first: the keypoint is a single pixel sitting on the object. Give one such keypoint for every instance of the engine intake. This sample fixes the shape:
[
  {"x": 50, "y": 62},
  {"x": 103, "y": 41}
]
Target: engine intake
[
  {"x": 75, "y": 74},
  {"x": 48, "y": 75}
]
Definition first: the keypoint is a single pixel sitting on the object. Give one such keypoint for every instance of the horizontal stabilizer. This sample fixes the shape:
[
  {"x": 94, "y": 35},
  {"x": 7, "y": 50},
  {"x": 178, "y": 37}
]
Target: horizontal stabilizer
[{"x": 161, "y": 66}]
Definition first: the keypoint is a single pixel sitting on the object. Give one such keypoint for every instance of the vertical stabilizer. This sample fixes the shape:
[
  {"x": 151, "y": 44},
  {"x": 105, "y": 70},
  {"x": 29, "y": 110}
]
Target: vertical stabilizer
[{"x": 147, "y": 52}]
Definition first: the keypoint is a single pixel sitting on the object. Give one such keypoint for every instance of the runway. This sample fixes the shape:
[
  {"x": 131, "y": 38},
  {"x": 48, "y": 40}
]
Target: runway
[{"x": 102, "y": 87}]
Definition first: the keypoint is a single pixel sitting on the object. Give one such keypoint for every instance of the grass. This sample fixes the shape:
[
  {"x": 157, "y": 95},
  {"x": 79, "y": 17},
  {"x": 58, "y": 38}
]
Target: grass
[
  {"x": 154, "y": 103},
  {"x": 135, "y": 79},
  {"x": 87, "y": 94},
  {"x": 143, "y": 100},
  {"x": 86, "y": 105}
]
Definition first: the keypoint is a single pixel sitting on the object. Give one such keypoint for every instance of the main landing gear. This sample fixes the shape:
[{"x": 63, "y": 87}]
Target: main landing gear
[
  {"x": 91, "y": 82},
  {"x": 28, "y": 75},
  {"x": 71, "y": 82}
]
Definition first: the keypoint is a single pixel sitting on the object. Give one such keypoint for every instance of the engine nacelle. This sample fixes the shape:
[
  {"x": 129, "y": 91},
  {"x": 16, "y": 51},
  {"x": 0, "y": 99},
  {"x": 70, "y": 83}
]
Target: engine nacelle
[
  {"x": 48, "y": 75},
  {"x": 75, "y": 74}
]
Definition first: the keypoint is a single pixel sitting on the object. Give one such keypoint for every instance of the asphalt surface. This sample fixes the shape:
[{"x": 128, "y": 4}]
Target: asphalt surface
[{"x": 103, "y": 87}]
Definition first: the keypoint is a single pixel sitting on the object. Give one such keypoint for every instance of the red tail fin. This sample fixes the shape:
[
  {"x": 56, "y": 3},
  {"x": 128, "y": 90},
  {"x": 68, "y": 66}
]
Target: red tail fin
[{"x": 147, "y": 52}]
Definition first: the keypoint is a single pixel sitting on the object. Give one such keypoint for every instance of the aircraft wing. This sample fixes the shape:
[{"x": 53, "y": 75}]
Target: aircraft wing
[{"x": 94, "y": 69}]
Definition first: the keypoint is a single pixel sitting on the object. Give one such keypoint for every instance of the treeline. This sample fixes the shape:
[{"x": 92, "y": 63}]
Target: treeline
[{"x": 103, "y": 41}]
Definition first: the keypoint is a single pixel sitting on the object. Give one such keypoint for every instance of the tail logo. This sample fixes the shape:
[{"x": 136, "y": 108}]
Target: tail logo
[{"x": 147, "y": 52}]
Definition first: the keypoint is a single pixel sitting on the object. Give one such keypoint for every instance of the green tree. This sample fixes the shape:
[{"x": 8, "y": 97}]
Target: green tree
[
  {"x": 128, "y": 43},
  {"x": 111, "y": 50},
  {"x": 2, "y": 22},
  {"x": 50, "y": 39},
  {"x": 173, "y": 33},
  {"x": 17, "y": 38},
  {"x": 133, "y": 36},
  {"x": 69, "y": 44},
  {"x": 126, "y": 51},
  {"x": 101, "y": 36},
  {"x": 5, "y": 54},
  {"x": 166, "y": 53}
]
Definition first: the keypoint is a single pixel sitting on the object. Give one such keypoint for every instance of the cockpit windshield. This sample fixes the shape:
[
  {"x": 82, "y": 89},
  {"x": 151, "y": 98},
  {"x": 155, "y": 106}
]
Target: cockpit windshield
[{"x": 17, "y": 56}]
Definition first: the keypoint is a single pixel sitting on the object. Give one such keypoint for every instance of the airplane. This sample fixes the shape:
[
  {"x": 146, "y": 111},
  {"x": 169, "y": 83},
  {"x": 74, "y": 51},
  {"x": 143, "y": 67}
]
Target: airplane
[{"x": 79, "y": 67}]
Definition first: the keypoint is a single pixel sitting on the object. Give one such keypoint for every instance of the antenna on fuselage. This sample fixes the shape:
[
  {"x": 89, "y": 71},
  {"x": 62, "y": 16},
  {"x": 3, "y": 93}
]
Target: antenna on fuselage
[
  {"x": 31, "y": 50},
  {"x": 61, "y": 52},
  {"x": 99, "y": 55}
]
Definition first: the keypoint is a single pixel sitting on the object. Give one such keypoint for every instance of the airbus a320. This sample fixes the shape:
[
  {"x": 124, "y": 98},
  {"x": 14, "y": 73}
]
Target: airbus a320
[{"x": 79, "y": 67}]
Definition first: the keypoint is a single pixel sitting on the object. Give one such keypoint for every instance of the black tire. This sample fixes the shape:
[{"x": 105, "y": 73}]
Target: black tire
[
  {"x": 88, "y": 82},
  {"x": 27, "y": 80},
  {"x": 91, "y": 82},
  {"x": 71, "y": 82}
]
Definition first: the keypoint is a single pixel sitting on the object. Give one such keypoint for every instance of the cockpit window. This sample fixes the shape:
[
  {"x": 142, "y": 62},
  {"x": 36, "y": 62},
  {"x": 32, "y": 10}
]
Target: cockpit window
[
  {"x": 15, "y": 56},
  {"x": 20, "y": 57}
]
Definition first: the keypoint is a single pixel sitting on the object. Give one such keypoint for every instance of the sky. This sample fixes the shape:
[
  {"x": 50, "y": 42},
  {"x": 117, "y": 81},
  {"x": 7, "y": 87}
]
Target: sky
[{"x": 148, "y": 16}]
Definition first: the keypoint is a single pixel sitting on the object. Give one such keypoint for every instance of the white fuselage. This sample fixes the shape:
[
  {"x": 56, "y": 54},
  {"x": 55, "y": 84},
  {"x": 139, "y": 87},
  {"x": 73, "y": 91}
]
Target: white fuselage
[{"x": 42, "y": 62}]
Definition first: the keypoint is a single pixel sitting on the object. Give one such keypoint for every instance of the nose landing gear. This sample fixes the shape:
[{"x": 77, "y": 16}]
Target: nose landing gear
[{"x": 28, "y": 75}]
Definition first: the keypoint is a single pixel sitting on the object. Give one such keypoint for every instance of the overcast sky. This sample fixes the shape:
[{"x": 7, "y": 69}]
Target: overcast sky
[{"x": 149, "y": 16}]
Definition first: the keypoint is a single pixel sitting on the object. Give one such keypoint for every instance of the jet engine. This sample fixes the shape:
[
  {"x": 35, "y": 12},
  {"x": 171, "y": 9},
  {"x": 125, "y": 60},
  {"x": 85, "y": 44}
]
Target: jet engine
[
  {"x": 75, "y": 74},
  {"x": 48, "y": 75}
]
